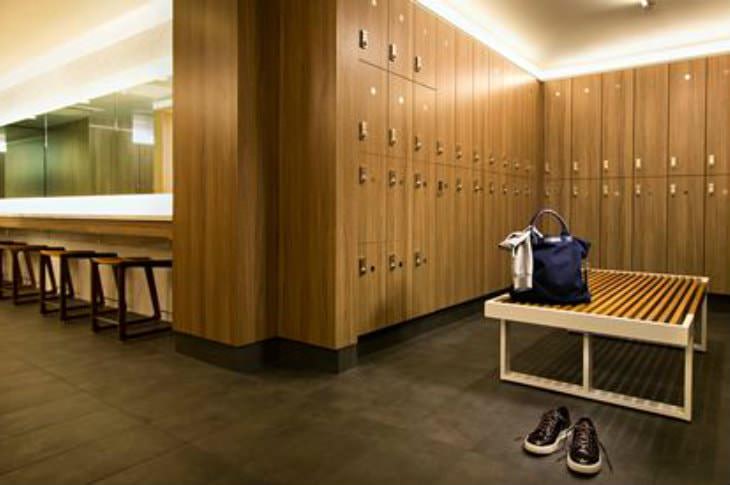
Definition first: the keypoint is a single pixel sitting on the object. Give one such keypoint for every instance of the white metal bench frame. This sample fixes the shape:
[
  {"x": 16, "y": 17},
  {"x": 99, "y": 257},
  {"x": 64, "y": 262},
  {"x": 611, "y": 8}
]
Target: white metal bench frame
[{"x": 677, "y": 335}]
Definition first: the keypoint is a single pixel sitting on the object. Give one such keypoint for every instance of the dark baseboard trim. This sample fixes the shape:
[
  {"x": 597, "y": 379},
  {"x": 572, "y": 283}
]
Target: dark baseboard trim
[{"x": 275, "y": 352}]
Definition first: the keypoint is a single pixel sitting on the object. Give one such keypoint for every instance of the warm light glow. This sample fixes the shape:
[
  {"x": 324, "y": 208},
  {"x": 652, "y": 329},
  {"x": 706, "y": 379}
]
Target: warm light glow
[
  {"x": 135, "y": 207},
  {"x": 3, "y": 143}
]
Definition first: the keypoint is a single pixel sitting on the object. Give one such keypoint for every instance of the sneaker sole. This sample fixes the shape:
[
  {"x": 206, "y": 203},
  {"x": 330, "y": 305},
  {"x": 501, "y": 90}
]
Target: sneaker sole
[
  {"x": 546, "y": 449},
  {"x": 584, "y": 469}
]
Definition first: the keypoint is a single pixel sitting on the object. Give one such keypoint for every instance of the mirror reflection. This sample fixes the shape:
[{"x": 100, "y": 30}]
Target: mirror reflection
[{"x": 116, "y": 144}]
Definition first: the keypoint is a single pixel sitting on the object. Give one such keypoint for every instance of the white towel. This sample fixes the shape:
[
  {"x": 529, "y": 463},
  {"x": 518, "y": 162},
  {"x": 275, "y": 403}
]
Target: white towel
[{"x": 520, "y": 245}]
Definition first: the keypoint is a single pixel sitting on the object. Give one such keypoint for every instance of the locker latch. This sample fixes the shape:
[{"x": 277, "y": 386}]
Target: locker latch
[
  {"x": 364, "y": 40},
  {"x": 637, "y": 190},
  {"x": 605, "y": 190},
  {"x": 392, "y": 262},
  {"x": 491, "y": 158},
  {"x": 439, "y": 147},
  {"x": 392, "y": 136},
  {"x": 363, "y": 175},
  {"x": 459, "y": 153},
  {"x": 417, "y": 144},
  {"x": 418, "y": 180},
  {"x": 711, "y": 160},
  {"x": 673, "y": 189},
  {"x": 517, "y": 164},
  {"x": 477, "y": 187},
  {"x": 491, "y": 187},
  {"x": 392, "y": 52},
  {"x": 638, "y": 164},
  {"x": 419, "y": 258},
  {"x": 392, "y": 178},
  {"x": 362, "y": 264},
  {"x": 547, "y": 167},
  {"x": 547, "y": 193},
  {"x": 477, "y": 157},
  {"x": 418, "y": 64},
  {"x": 504, "y": 188},
  {"x": 459, "y": 185},
  {"x": 673, "y": 162},
  {"x": 363, "y": 130},
  {"x": 442, "y": 185},
  {"x": 575, "y": 166},
  {"x": 575, "y": 191},
  {"x": 711, "y": 188},
  {"x": 605, "y": 165}
]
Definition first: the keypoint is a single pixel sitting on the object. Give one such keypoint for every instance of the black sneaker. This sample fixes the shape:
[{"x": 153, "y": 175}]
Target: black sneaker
[
  {"x": 550, "y": 433},
  {"x": 584, "y": 454}
]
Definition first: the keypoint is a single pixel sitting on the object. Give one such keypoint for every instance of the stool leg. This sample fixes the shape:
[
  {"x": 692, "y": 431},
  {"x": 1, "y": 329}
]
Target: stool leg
[
  {"x": 69, "y": 281},
  {"x": 45, "y": 260},
  {"x": 29, "y": 267},
  {"x": 153, "y": 292},
  {"x": 122, "y": 291},
  {"x": 95, "y": 285},
  {"x": 62, "y": 294},
  {"x": 16, "y": 275},
  {"x": 2, "y": 273}
]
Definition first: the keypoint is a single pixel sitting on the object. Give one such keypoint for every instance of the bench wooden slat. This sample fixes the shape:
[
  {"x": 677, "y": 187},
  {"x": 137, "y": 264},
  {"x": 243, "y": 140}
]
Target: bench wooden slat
[
  {"x": 598, "y": 293},
  {"x": 672, "y": 302},
  {"x": 679, "y": 312},
  {"x": 634, "y": 298},
  {"x": 620, "y": 297},
  {"x": 642, "y": 308}
]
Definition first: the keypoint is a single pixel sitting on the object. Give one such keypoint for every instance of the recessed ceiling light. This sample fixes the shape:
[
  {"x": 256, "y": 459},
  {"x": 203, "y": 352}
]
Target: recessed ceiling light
[{"x": 647, "y": 4}]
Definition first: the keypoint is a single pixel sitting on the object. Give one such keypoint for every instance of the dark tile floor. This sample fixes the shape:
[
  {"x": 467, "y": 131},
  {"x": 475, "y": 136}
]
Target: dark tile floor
[{"x": 80, "y": 408}]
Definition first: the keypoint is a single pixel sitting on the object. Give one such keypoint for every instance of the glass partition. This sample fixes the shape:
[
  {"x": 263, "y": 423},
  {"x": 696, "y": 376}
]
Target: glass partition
[{"x": 120, "y": 143}]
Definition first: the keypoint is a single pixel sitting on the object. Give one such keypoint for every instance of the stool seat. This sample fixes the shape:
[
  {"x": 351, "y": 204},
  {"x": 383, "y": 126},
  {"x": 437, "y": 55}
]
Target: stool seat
[
  {"x": 55, "y": 253},
  {"x": 120, "y": 259},
  {"x": 32, "y": 247},
  {"x": 11, "y": 244}
]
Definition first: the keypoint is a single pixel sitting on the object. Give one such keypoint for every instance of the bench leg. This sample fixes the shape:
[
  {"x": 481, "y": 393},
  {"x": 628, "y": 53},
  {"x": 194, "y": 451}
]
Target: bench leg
[
  {"x": 587, "y": 362},
  {"x": 689, "y": 353},
  {"x": 504, "y": 357},
  {"x": 702, "y": 344}
]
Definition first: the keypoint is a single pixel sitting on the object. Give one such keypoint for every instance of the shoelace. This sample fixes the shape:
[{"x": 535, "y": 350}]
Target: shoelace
[
  {"x": 548, "y": 420},
  {"x": 571, "y": 433}
]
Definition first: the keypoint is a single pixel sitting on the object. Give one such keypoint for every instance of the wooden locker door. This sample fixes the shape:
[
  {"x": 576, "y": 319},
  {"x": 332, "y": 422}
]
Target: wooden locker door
[
  {"x": 371, "y": 108},
  {"x": 533, "y": 134},
  {"x": 445, "y": 91},
  {"x": 370, "y": 30},
  {"x": 510, "y": 113},
  {"x": 445, "y": 230},
  {"x": 424, "y": 230},
  {"x": 479, "y": 218},
  {"x": 651, "y": 119},
  {"x": 687, "y": 95},
  {"x": 618, "y": 124},
  {"x": 557, "y": 129},
  {"x": 396, "y": 282},
  {"x": 502, "y": 225},
  {"x": 585, "y": 212},
  {"x": 718, "y": 115},
  {"x": 424, "y": 123},
  {"x": 586, "y": 133},
  {"x": 556, "y": 196},
  {"x": 481, "y": 105},
  {"x": 424, "y": 46},
  {"x": 464, "y": 108},
  {"x": 686, "y": 229},
  {"x": 492, "y": 231},
  {"x": 369, "y": 302},
  {"x": 400, "y": 109},
  {"x": 649, "y": 231},
  {"x": 462, "y": 228},
  {"x": 400, "y": 41},
  {"x": 396, "y": 200},
  {"x": 717, "y": 233},
  {"x": 370, "y": 196},
  {"x": 615, "y": 223},
  {"x": 496, "y": 113}
]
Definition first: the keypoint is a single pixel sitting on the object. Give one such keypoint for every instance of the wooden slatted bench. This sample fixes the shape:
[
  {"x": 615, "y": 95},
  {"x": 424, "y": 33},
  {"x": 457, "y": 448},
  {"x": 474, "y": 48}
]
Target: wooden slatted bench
[{"x": 648, "y": 307}]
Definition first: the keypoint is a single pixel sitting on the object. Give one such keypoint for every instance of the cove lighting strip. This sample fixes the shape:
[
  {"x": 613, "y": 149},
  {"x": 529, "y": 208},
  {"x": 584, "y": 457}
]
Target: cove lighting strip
[
  {"x": 146, "y": 17},
  {"x": 694, "y": 47},
  {"x": 153, "y": 207}
]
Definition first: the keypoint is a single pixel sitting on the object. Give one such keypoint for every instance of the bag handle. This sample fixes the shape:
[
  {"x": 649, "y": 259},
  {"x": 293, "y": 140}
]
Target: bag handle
[{"x": 563, "y": 226}]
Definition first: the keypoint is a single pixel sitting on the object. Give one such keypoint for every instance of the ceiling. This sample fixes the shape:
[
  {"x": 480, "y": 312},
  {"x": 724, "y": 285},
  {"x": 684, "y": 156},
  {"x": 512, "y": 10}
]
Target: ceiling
[{"x": 558, "y": 38}]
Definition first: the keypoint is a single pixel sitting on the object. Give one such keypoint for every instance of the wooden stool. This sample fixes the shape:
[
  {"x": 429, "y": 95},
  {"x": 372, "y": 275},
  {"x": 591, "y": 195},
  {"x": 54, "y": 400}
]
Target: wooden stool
[
  {"x": 24, "y": 293},
  {"x": 120, "y": 267},
  {"x": 3, "y": 282},
  {"x": 65, "y": 290}
]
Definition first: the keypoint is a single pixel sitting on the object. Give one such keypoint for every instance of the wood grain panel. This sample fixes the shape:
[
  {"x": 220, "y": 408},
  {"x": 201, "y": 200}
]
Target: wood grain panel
[
  {"x": 557, "y": 129},
  {"x": 155, "y": 229},
  {"x": 367, "y": 30},
  {"x": 369, "y": 187},
  {"x": 479, "y": 218},
  {"x": 397, "y": 262},
  {"x": 464, "y": 107},
  {"x": 717, "y": 233},
  {"x": 651, "y": 117},
  {"x": 445, "y": 236},
  {"x": 586, "y": 121},
  {"x": 556, "y": 196},
  {"x": 424, "y": 46},
  {"x": 687, "y": 88},
  {"x": 396, "y": 202},
  {"x": 585, "y": 211},
  {"x": 400, "y": 116},
  {"x": 370, "y": 311},
  {"x": 422, "y": 188},
  {"x": 424, "y": 123},
  {"x": 462, "y": 258},
  {"x": 615, "y": 223},
  {"x": 482, "y": 144},
  {"x": 718, "y": 115},
  {"x": 445, "y": 91},
  {"x": 400, "y": 37},
  {"x": 369, "y": 125},
  {"x": 492, "y": 235},
  {"x": 686, "y": 229},
  {"x": 496, "y": 114},
  {"x": 618, "y": 124},
  {"x": 649, "y": 233}
]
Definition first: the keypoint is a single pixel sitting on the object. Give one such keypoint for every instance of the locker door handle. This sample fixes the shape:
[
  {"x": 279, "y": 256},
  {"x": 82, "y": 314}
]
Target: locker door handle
[
  {"x": 459, "y": 185},
  {"x": 362, "y": 266},
  {"x": 673, "y": 162},
  {"x": 711, "y": 188},
  {"x": 477, "y": 187},
  {"x": 392, "y": 178},
  {"x": 442, "y": 185},
  {"x": 491, "y": 187},
  {"x": 363, "y": 130},
  {"x": 517, "y": 164},
  {"x": 711, "y": 160},
  {"x": 459, "y": 153},
  {"x": 491, "y": 158},
  {"x": 673, "y": 189},
  {"x": 605, "y": 165},
  {"x": 364, "y": 39},
  {"x": 575, "y": 191},
  {"x": 392, "y": 136},
  {"x": 547, "y": 167},
  {"x": 605, "y": 190},
  {"x": 504, "y": 189},
  {"x": 392, "y": 262},
  {"x": 392, "y": 52},
  {"x": 418, "y": 258},
  {"x": 637, "y": 190},
  {"x": 363, "y": 175},
  {"x": 576, "y": 166},
  {"x": 418, "y": 64},
  {"x": 439, "y": 147},
  {"x": 418, "y": 181},
  {"x": 638, "y": 164},
  {"x": 418, "y": 144},
  {"x": 477, "y": 157}
]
